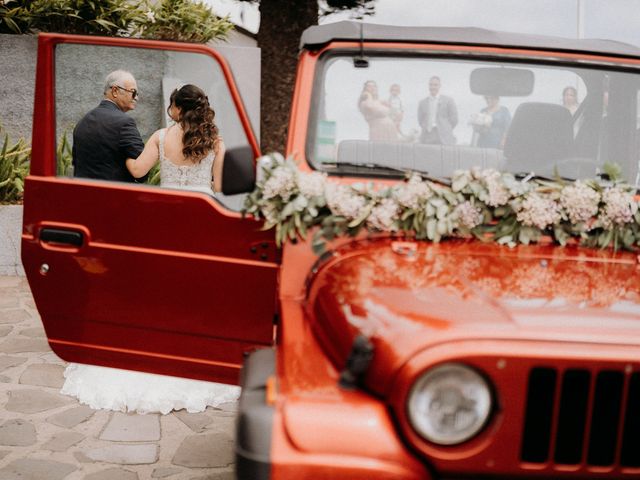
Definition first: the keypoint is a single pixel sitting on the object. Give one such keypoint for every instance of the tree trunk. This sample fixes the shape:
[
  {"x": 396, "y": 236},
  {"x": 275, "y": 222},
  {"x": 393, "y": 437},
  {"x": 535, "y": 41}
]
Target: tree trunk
[{"x": 281, "y": 24}]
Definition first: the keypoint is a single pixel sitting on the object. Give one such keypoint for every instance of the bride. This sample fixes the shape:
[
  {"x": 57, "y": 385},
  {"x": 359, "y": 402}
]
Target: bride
[{"x": 190, "y": 153}]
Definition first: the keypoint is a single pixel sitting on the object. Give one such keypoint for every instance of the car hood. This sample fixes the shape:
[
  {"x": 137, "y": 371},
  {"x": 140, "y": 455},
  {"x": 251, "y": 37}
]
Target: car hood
[{"x": 408, "y": 296}]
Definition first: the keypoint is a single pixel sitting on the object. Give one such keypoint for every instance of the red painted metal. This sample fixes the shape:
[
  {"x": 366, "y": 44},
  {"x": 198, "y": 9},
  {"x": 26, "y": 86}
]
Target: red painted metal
[{"x": 165, "y": 281}]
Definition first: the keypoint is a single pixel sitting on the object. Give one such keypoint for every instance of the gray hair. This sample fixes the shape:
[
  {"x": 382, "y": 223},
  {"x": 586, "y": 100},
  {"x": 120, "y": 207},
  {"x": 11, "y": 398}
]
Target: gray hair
[{"x": 117, "y": 77}]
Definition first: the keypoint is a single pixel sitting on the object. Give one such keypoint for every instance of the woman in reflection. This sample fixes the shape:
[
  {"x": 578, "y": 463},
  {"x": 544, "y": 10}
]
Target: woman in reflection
[
  {"x": 570, "y": 99},
  {"x": 189, "y": 153},
  {"x": 377, "y": 114},
  {"x": 491, "y": 124}
]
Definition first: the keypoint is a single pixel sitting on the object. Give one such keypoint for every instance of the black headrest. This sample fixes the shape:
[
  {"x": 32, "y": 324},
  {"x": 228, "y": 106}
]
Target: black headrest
[
  {"x": 539, "y": 134},
  {"x": 238, "y": 171}
]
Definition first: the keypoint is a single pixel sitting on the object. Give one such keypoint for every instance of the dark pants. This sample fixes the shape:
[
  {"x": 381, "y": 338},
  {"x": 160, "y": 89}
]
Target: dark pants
[{"x": 432, "y": 137}]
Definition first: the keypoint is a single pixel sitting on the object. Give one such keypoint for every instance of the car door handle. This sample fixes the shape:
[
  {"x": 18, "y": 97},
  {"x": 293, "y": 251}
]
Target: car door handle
[{"x": 67, "y": 237}]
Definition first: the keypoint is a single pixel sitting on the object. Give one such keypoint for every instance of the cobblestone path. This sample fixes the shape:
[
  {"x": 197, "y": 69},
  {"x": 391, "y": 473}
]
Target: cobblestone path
[{"x": 48, "y": 436}]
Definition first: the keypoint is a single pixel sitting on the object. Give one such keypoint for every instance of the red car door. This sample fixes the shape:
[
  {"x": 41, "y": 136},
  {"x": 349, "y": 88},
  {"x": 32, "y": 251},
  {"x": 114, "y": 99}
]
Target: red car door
[{"x": 140, "y": 277}]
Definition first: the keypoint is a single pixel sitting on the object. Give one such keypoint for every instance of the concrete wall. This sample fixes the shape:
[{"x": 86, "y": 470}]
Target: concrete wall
[{"x": 17, "y": 76}]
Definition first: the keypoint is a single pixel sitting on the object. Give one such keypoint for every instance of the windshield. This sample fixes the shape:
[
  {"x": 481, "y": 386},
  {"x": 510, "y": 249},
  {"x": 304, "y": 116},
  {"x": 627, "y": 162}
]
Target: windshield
[{"x": 438, "y": 115}]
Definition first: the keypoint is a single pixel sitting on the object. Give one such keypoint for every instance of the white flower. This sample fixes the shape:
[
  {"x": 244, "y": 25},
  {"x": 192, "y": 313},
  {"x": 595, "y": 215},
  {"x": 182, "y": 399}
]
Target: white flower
[
  {"x": 619, "y": 207},
  {"x": 311, "y": 184},
  {"x": 383, "y": 215},
  {"x": 151, "y": 16},
  {"x": 413, "y": 193},
  {"x": 539, "y": 211},
  {"x": 497, "y": 194},
  {"x": 468, "y": 215},
  {"x": 282, "y": 182},
  {"x": 343, "y": 200},
  {"x": 580, "y": 202}
]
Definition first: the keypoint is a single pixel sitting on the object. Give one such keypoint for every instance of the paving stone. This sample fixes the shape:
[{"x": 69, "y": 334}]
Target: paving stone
[
  {"x": 113, "y": 474},
  {"x": 8, "y": 301},
  {"x": 5, "y": 379},
  {"x": 33, "y": 332},
  {"x": 71, "y": 417},
  {"x": 14, "y": 316},
  {"x": 130, "y": 427},
  {"x": 125, "y": 454},
  {"x": 4, "y": 330},
  {"x": 195, "y": 421},
  {"x": 82, "y": 458},
  {"x": 33, "y": 469},
  {"x": 10, "y": 281},
  {"x": 60, "y": 442},
  {"x": 29, "y": 304},
  {"x": 229, "y": 407},
  {"x": 20, "y": 345},
  {"x": 33, "y": 401},
  {"x": 205, "y": 451},
  {"x": 226, "y": 475},
  {"x": 4, "y": 453},
  {"x": 7, "y": 361},
  {"x": 17, "y": 433},
  {"x": 165, "y": 472},
  {"x": 43, "y": 375}
]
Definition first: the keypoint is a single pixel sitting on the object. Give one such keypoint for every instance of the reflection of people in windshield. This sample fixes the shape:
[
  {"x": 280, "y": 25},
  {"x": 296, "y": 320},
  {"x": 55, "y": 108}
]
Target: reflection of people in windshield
[
  {"x": 395, "y": 104},
  {"x": 570, "y": 99},
  {"x": 377, "y": 114},
  {"x": 437, "y": 116},
  {"x": 491, "y": 124}
]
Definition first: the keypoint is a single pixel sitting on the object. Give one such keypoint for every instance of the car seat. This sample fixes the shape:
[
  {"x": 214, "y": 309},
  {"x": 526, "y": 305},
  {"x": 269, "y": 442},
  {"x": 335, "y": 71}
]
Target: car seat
[{"x": 539, "y": 135}]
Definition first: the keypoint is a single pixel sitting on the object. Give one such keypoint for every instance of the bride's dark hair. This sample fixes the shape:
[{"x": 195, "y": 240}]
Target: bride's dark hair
[{"x": 196, "y": 119}]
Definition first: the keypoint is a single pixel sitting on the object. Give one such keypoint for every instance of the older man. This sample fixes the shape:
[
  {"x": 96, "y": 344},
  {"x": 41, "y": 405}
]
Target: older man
[
  {"x": 437, "y": 116},
  {"x": 107, "y": 136}
]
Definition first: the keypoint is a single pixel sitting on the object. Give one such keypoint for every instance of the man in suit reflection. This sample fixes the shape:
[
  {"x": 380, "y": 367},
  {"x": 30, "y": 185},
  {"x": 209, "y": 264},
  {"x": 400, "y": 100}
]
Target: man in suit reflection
[
  {"x": 437, "y": 116},
  {"x": 106, "y": 136}
]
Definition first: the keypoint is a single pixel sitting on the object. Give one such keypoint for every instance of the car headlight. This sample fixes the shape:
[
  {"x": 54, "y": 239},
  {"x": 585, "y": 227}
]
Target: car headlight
[{"x": 449, "y": 404}]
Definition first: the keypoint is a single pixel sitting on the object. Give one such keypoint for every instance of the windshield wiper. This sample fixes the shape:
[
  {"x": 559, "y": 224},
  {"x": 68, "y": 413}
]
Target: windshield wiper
[
  {"x": 386, "y": 168},
  {"x": 524, "y": 177}
]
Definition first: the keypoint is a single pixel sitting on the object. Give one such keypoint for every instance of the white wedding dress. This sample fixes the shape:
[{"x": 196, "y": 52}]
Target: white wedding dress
[{"x": 129, "y": 391}]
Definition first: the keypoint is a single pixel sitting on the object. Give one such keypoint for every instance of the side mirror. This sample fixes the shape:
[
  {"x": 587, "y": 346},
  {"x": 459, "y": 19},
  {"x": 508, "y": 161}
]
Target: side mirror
[
  {"x": 501, "y": 82},
  {"x": 238, "y": 171}
]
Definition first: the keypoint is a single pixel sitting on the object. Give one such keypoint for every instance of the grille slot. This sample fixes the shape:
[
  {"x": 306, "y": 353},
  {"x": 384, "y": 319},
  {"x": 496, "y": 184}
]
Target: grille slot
[
  {"x": 582, "y": 417},
  {"x": 537, "y": 425},
  {"x": 630, "y": 454},
  {"x": 572, "y": 417}
]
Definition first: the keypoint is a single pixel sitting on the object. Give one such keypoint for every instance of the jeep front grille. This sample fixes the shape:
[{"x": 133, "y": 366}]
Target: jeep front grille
[{"x": 582, "y": 417}]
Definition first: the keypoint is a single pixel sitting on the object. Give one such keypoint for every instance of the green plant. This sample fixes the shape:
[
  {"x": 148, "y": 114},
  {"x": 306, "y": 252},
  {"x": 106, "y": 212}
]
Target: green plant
[
  {"x": 63, "y": 156},
  {"x": 14, "y": 167},
  {"x": 14, "y": 17},
  {"x": 184, "y": 21},
  {"x": 153, "y": 178},
  {"x": 87, "y": 17}
]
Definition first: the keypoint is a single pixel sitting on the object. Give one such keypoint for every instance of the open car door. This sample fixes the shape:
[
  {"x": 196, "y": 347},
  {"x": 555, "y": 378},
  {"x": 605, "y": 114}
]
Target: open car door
[{"x": 131, "y": 275}]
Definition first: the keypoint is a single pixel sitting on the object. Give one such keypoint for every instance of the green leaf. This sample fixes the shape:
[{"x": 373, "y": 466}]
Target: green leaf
[{"x": 362, "y": 216}]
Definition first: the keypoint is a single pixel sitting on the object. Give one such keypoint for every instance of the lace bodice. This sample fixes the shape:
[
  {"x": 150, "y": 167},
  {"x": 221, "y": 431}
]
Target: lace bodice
[{"x": 189, "y": 177}]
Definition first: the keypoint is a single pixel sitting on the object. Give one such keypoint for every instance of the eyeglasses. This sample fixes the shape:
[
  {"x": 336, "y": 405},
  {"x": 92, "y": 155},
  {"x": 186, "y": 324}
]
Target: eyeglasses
[{"x": 133, "y": 91}]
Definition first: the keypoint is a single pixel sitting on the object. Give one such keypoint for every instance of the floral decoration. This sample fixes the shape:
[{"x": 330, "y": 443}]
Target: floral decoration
[{"x": 486, "y": 204}]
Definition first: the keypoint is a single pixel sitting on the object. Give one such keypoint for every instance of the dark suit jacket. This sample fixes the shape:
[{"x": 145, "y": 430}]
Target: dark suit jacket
[{"x": 102, "y": 141}]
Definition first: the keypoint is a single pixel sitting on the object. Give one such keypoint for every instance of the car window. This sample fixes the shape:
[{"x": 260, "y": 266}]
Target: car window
[{"x": 81, "y": 71}]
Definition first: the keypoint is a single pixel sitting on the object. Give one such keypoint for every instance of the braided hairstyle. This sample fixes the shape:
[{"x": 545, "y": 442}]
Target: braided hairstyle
[{"x": 196, "y": 119}]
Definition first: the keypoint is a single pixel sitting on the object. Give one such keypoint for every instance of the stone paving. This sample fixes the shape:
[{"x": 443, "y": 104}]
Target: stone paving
[{"x": 48, "y": 436}]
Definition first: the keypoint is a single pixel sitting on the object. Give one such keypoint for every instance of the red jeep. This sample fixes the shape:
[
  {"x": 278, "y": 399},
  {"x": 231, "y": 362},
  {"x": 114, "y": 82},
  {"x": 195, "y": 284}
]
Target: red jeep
[{"x": 385, "y": 357}]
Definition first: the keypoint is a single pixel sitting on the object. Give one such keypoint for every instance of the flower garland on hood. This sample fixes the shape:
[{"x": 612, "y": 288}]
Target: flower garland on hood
[{"x": 487, "y": 204}]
